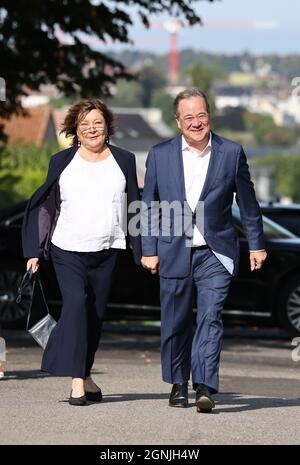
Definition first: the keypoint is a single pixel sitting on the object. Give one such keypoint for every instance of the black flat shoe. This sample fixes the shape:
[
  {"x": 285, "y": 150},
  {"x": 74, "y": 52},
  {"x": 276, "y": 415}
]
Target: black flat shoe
[
  {"x": 77, "y": 400},
  {"x": 204, "y": 401},
  {"x": 179, "y": 395},
  {"x": 94, "y": 396}
]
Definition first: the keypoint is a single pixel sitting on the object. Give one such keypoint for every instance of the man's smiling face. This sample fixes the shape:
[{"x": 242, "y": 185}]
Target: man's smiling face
[{"x": 193, "y": 120}]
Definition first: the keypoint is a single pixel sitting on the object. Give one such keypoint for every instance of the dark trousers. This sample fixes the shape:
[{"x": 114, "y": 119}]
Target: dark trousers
[
  {"x": 182, "y": 351},
  {"x": 84, "y": 279}
]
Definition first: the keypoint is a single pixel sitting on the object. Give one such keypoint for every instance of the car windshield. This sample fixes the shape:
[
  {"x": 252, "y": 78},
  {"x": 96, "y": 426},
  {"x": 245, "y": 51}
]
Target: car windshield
[
  {"x": 272, "y": 230},
  {"x": 289, "y": 219}
]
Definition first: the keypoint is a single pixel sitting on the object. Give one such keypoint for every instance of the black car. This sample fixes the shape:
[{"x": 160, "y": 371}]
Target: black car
[
  {"x": 272, "y": 293},
  {"x": 287, "y": 216}
]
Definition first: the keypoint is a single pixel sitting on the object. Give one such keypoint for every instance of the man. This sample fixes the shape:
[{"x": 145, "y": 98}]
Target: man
[{"x": 196, "y": 168}]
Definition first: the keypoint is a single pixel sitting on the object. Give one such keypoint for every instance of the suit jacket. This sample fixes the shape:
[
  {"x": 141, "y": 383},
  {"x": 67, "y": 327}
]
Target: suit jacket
[
  {"x": 43, "y": 208},
  {"x": 228, "y": 173}
]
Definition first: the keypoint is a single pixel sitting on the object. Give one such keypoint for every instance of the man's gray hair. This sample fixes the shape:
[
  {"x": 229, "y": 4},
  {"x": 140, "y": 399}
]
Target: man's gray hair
[{"x": 187, "y": 93}]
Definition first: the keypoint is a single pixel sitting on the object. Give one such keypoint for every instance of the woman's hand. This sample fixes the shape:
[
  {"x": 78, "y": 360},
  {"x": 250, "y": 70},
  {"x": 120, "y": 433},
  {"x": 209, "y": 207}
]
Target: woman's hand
[{"x": 33, "y": 263}]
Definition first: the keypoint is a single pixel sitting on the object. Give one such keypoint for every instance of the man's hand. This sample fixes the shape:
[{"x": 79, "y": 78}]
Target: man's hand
[
  {"x": 150, "y": 263},
  {"x": 257, "y": 259}
]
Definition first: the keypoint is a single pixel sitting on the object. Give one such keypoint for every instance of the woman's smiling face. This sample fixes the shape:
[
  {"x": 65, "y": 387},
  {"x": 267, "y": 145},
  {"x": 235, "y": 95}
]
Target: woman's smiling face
[{"x": 92, "y": 130}]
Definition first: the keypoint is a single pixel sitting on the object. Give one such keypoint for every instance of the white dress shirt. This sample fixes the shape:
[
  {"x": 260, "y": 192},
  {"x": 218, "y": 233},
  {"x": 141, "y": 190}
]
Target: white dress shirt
[
  {"x": 195, "y": 165},
  {"x": 91, "y": 212}
]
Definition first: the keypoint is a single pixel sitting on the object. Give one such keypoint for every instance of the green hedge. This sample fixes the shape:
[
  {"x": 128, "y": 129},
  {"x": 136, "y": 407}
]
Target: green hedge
[{"x": 23, "y": 168}]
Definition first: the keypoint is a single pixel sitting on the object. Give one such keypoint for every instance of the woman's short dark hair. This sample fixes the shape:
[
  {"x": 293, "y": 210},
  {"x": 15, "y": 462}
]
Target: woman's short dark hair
[
  {"x": 187, "y": 93},
  {"x": 79, "y": 110}
]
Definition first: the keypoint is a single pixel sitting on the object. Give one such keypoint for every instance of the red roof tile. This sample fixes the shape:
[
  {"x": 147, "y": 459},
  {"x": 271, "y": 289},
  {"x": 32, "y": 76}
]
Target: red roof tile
[{"x": 30, "y": 129}]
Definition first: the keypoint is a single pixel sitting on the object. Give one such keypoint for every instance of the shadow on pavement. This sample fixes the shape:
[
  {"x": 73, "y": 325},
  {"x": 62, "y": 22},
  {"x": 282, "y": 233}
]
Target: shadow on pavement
[
  {"x": 23, "y": 374},
  {"x": 17, "y": 375},
  {"x": 241, "y": 403},
  {"x": 233, "y": 403}
]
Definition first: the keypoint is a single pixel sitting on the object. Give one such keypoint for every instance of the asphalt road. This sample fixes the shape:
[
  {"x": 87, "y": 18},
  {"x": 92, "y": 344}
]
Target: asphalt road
[{"x": 259, "y": 400}]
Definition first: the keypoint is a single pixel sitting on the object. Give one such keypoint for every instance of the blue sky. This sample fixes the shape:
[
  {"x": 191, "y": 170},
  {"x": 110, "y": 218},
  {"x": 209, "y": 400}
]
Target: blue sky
[{"x": 232, "y": 26}]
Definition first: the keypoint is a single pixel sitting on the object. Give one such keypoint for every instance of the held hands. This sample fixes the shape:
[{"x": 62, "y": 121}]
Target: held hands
[
  {"x": 32, "y": 263},
  {"x": 150, "y": 263},
  {"x": 257, "y": 259}
]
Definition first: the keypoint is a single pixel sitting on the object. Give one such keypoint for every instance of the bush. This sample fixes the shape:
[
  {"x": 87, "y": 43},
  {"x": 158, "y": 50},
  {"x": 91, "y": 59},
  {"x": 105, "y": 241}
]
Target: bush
[
  {"x": 23, "y": 169},
  {"x": 267, "y": 132},
  {"x": 287, "y": 173}
]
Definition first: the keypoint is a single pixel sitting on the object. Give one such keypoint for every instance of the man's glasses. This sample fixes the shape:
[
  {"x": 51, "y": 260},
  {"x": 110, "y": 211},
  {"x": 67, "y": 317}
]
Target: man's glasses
[{"x": 202, "y": 117}]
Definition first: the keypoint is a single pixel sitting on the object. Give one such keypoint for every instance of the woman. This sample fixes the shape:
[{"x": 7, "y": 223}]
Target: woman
[{"x": 76, "y": 218}]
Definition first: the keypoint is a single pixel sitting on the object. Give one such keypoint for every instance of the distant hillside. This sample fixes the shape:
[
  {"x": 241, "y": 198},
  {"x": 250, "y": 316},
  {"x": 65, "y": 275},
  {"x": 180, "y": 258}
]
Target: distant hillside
[{"x": 287, "y": 65}]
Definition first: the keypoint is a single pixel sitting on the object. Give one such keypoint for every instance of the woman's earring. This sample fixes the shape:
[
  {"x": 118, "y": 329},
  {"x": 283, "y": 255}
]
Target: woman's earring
[{"x": 79, "y": 143}]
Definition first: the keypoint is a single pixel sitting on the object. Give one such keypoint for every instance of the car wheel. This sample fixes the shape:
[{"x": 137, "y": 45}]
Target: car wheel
[
  {"x": 10, "y": 311},
  {"x": 289, "y": 306}
]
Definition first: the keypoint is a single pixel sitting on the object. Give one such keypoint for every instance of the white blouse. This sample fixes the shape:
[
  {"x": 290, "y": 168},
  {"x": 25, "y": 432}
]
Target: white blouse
[{"x": 92, "y": 206}]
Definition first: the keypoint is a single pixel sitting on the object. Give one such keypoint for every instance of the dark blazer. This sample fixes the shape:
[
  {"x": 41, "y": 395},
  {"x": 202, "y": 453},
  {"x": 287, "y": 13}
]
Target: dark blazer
[
  {"x": 228, "y": 173},
  {"x": 43, "y": 208}
]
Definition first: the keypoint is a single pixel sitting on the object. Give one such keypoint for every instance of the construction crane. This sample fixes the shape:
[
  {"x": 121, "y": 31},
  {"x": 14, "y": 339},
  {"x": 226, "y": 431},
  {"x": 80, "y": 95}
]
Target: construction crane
[{"x": 173, "y": 27}]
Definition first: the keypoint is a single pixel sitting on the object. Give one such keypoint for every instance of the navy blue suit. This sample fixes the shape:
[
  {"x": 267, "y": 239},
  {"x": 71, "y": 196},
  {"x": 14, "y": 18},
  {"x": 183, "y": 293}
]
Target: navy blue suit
[
  {"x": 84, "y": 277},
  {"x": 181, "y": 268}
]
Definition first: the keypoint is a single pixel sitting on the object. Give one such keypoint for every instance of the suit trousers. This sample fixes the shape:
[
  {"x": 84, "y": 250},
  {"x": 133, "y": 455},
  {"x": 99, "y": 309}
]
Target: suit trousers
[
  {"x": 182, "y": 350},
  {"x": 84, "y": 279}
]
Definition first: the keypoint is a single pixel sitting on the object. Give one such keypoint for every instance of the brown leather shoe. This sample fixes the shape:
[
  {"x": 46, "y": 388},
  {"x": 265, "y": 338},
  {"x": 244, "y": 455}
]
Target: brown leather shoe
[
  {"x": 204, "y": 401},
  {"x": 179, "y": 395}
]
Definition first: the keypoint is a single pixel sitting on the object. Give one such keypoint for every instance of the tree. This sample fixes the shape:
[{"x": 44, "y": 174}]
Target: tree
[
  {"x": 22, "y": 171},
  {"x": 128, "y": 94},
  {"x": 287, "y": 173},
  {"x": 164, "y": 101},
  {"x": 151, "y": 79},
  {"x": 31, "y": 53},
  {"x": 140, "y": 91},
  {"x": 203, "y": 76},
  {"x": 267, "y": 132}
]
